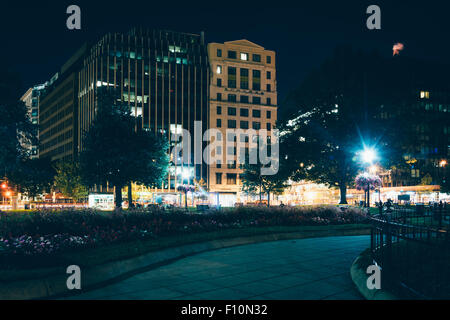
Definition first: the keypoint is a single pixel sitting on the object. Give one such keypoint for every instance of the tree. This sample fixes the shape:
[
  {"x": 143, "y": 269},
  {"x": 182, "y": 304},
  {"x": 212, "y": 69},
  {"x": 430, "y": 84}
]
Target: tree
[
  {"x": 253, "y": 181},
  {"x": 335, "y": 112},
  {"x": 68, "y": 180},
  {"x": 16, "y": 130},
  {"x": 118, "y": 151},
  {"x": 33, "y": 176}
]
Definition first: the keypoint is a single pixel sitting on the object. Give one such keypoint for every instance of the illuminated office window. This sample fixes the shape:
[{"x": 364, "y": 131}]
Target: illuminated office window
[{"x": 424, "y": 94}]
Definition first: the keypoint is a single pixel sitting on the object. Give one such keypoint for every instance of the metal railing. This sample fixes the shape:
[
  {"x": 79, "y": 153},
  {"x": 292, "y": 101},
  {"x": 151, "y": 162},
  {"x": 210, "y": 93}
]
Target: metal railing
[{"x": 412, "y": 247}]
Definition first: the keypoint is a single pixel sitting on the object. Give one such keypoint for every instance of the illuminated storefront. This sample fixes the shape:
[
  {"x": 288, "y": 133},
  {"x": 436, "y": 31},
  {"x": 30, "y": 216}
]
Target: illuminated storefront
[{"x": 306, "y": 193}]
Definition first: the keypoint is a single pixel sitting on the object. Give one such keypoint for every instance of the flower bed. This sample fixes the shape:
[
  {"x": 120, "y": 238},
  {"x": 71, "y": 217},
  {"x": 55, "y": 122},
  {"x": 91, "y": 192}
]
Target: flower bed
[{"x": 48, "y": 233}]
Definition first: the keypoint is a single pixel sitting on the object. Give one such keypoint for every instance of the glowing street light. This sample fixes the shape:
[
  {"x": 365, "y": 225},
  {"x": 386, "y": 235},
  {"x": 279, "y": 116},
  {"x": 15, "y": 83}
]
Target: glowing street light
[
  {"x": 186, "y": 173},
  {"x": 368, "y": 155},
  {"x": 443, "y": 163}
]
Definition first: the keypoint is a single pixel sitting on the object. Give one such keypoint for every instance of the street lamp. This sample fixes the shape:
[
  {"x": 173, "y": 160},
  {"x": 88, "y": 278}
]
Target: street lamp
[
  {"x": 7, "y": 197},
  {"x": 368, "y": 155},
  {"x": 442, "y": 172},
  {"x": 4, "y": 186},
  {"x": 186, "y": 174}
]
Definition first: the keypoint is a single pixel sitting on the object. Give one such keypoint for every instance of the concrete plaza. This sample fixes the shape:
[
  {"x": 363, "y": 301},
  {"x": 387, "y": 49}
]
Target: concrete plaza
[{"x": 314, "y": 268}]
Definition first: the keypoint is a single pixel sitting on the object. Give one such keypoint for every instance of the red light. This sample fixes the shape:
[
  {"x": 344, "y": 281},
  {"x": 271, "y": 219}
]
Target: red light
[{"x": 4, "y": 185}]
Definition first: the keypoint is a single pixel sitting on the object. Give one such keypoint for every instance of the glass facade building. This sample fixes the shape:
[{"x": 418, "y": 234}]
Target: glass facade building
[{"x": 162, "y": 75}]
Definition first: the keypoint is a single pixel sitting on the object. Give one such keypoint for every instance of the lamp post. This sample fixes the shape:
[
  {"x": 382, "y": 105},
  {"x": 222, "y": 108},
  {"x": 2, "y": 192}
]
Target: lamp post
[
  {"x": 374, "y": 170},
  {"x": 442, "y": 165},
  {"x": 4, "y": 187},
  {"x": 366, "y": 181},
  {"x": 185, "y": 188},
  {"x": 368, "y": 156},
  {"x": 442, "y": 173}
]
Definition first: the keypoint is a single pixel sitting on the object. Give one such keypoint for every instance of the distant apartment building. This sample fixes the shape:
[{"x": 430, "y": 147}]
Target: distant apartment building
[
  {"x": 422, "y": 97},
  {"x": 58, "y": 113},
  {"x": 31, "y": 99},
  {"x": 170, "y": 80},
  {"x": 243, "y": 95},
  {"x": 425, "y": 102},
  {"x": 429, "y": 150}
]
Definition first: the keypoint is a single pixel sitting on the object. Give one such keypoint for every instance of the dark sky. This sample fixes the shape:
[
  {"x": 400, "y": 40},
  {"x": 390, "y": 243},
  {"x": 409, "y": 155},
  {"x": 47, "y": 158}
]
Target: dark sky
[{"x": 36, "y": 42}]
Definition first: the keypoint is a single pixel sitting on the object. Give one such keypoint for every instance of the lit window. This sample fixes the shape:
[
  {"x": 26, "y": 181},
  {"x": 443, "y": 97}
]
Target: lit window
[
  {"x": 219, "y": 69},
  {"x": 244, "y": 56},
  {"x": 424, "y": 94}
]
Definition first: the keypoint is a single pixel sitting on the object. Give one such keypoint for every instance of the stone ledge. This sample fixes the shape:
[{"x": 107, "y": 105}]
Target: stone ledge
[
  {"x": 359, "y": 278},
  {"x": 102, "y": 275}
]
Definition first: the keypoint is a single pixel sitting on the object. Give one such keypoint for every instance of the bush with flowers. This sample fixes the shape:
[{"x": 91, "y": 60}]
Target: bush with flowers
[
  {"x": 366, "y": 181},
  {"x": 49, "y": 233}
]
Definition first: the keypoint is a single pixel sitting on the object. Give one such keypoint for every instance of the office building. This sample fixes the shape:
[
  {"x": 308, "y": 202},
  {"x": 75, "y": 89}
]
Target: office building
[
  {"x": 162, "y": 75},
  {"x": 243, "y": 95},
  {"x": 31, "y": 99}
]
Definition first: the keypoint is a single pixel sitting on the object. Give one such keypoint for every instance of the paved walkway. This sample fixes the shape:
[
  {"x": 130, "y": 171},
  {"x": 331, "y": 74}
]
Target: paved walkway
[{"x": 316, "y": 268}]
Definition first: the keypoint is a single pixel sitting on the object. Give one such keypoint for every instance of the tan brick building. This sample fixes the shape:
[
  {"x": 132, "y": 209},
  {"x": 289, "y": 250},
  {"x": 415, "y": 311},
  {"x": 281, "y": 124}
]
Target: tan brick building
[{"x": 243, "y": 95}]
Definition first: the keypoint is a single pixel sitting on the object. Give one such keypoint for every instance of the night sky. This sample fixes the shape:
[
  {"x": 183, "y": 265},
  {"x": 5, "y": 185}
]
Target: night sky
[{"x": 36, "y": 42}]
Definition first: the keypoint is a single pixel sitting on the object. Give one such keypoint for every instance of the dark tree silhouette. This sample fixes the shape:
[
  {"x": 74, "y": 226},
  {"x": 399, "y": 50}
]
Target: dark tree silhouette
[
  {"x": 255, "y": 182},
  {"x": 118, "y": 151},
  {"x": 33, "y": 176},
  {"x": 16, "y": 130},
  {"x": 340, "y": 108}
]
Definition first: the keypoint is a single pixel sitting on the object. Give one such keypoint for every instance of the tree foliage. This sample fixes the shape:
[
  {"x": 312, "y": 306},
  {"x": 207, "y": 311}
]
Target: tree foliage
[
  {"x": 254, "y": 182},
  {"x": 33, "y": 176},
  {"x": 16, "y": 130},
  {"x": 116, "y": 149},
  {"x": 341, "y": 108},
  {"x": 68, "y": 180}
]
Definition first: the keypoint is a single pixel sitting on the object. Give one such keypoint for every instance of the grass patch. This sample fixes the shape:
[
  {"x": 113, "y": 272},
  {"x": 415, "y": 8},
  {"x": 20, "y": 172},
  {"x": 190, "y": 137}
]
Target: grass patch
[{"x": 120, "y": 251}]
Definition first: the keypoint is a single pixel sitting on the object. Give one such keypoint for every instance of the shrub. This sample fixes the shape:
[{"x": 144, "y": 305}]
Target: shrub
[{"x": 49, "y": 232}]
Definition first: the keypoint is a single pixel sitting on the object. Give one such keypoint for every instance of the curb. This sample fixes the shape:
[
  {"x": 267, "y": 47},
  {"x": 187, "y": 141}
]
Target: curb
[
  {"x": 102, "y": 275},
  {"x": 359, "y": 278}
]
